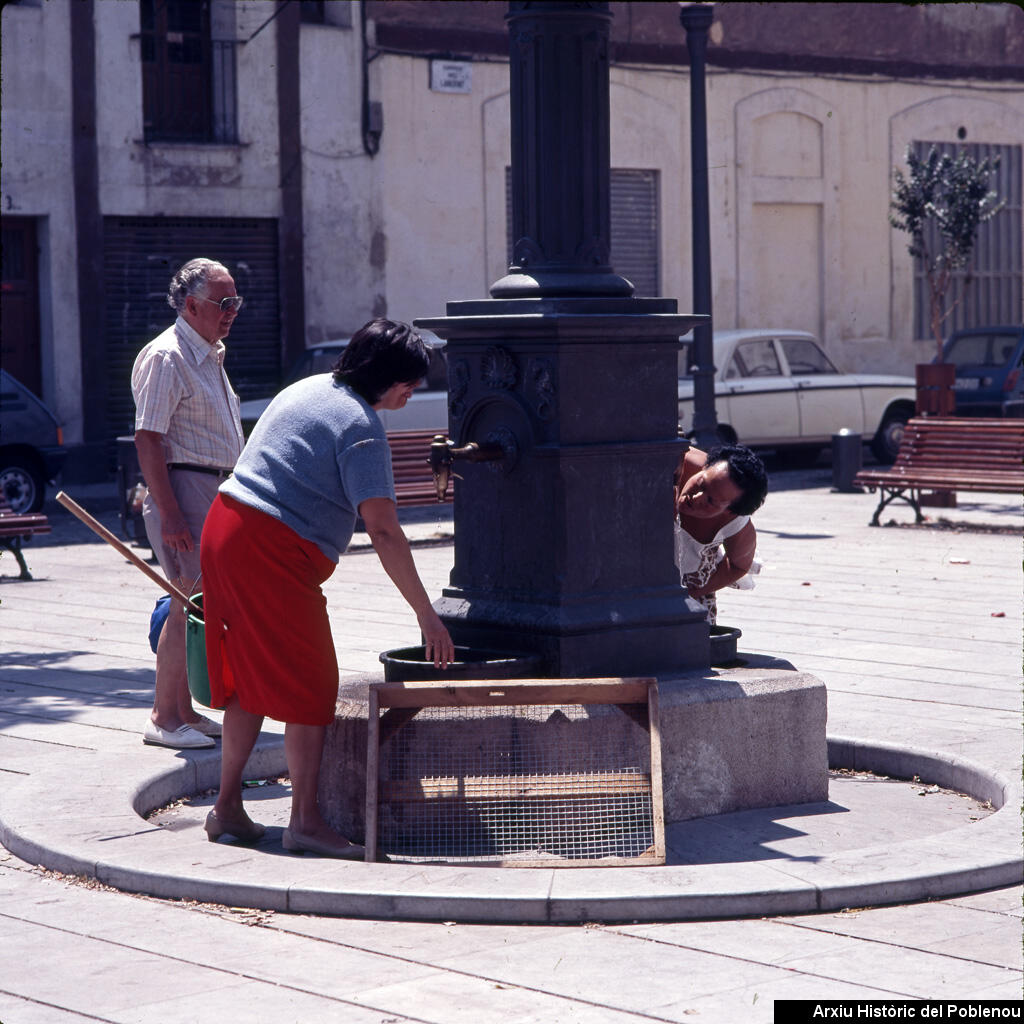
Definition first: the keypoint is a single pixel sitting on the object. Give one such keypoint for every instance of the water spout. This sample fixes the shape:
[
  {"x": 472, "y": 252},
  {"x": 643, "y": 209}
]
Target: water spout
[{"x": 443, "y": 453}]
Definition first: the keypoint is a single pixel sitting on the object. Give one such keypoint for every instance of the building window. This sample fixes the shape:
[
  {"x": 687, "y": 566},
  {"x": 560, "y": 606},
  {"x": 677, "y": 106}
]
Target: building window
[
  {"x": 311, "y": 12},
  {"x": 635, "y": 241},
  {"x": 188, "y": 78},
  {"x": 993, "y": 292},
  {"x": 326, "y": 12}
]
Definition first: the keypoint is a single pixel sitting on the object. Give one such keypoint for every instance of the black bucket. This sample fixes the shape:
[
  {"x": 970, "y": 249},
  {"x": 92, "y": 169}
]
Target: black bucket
[
  {"x": 723, "y": 644},
  {"x": 409, "y": 664}
]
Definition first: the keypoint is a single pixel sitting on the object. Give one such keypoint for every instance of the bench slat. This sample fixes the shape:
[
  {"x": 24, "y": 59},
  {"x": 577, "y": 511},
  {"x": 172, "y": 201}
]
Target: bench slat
[{"x": 16, "y": 528}]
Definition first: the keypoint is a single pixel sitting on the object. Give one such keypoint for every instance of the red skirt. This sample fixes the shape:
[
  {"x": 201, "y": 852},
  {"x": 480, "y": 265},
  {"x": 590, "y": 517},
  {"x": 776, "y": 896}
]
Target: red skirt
[{"x": 268, "y": 638}]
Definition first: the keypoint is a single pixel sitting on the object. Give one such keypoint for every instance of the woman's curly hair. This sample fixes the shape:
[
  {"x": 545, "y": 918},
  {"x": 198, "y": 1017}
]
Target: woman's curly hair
[{"x": 747, "y": 472}]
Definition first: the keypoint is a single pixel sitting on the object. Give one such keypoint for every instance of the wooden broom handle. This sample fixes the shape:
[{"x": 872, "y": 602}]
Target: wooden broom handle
[{"x": 97, "y": 527}]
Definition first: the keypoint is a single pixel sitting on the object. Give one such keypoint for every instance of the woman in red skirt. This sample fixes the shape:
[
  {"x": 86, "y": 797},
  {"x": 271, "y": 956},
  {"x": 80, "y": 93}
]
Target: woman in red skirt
[{"x": 317, "y": 459}]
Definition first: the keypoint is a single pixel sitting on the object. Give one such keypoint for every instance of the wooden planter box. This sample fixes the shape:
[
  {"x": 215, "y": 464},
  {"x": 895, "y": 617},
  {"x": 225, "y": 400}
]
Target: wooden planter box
[{"x": 935, "y": 395}]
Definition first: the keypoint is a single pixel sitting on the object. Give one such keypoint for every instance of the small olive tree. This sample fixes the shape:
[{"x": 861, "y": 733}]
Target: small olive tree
[{"x": 940, "y": 203}]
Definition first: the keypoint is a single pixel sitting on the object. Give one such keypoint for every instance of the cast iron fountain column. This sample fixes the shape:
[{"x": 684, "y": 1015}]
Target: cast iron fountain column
[{"x": 563, "y": 544}]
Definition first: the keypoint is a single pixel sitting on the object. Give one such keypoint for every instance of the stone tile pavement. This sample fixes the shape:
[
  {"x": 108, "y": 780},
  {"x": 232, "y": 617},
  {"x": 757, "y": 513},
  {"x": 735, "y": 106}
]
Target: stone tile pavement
[{"x": 916, "y": 632}]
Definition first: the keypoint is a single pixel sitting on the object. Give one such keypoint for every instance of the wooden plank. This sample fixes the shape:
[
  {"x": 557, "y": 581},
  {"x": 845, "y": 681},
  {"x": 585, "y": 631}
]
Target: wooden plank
[
  {"x": 657, "y": 791},
  {"x": 511, "y": 692},
  {"x": 21, "y": 524},
  {"x": 372, "y": 775},
  {"x": 646, "y": 859},
  {"x": 642, "y": 860},
  {"x": 1009, "y": 485},
  {"x": 998, "y": 479},
  {"x": 463, "y": 788}
]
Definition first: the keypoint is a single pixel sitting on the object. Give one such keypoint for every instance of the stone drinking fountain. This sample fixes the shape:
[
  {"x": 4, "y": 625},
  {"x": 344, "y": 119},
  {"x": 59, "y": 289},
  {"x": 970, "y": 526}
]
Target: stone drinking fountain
[{"x": 563, "y": 435}]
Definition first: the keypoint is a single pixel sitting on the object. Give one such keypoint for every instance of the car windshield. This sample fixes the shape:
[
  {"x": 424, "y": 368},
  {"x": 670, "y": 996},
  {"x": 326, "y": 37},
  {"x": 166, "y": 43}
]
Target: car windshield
[
  {"x": 805, "y": 358},
  {"x": 992, "y": 350}
]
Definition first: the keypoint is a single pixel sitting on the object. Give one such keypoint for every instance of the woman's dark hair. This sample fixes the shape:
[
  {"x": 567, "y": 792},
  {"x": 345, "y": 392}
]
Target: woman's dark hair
[
  {"x": 381, "y": 353},
  {"x": 747, "y": 472}
]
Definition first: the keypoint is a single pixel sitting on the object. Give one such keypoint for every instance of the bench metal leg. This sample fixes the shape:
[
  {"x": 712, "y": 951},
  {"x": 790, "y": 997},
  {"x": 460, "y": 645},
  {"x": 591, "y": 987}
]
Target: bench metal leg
[
  {"x": 889, "y": 494},
  {"x": 14, "y": 546}
]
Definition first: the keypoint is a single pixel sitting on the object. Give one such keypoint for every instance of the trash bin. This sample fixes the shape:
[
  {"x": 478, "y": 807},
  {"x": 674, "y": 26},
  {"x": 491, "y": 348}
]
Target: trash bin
[
  {"x": 131, "y": 489},
  {"x": 846, "y": 459}
]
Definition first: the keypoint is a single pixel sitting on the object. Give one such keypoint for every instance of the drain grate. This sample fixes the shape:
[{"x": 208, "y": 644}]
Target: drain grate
[{"x": 522, "y": 773}]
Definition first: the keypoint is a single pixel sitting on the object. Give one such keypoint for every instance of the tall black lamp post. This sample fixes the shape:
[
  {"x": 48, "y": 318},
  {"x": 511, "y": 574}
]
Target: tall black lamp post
[{"x": 696, "y": 19}]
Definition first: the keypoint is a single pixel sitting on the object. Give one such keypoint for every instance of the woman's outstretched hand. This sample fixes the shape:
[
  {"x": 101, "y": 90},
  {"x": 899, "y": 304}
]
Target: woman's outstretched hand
[{"x": 437, "y": 643}]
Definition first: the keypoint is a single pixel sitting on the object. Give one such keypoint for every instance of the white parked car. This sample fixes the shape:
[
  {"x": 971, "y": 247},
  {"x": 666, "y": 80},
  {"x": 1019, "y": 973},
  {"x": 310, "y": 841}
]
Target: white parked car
[
  {"x": 427, "y": 409},
  {"x": 777, "y": 389}
]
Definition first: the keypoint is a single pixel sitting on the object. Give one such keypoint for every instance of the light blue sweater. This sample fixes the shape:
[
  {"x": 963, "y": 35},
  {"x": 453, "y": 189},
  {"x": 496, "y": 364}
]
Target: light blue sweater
[{"x": 317, "y": 452}]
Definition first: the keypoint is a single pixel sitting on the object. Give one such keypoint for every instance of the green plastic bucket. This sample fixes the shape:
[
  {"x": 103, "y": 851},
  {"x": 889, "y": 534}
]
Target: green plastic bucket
[{"x": 195, "y": 655}]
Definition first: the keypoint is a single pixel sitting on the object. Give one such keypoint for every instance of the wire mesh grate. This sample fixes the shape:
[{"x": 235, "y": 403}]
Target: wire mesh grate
[{"x": 515, "y": 784}]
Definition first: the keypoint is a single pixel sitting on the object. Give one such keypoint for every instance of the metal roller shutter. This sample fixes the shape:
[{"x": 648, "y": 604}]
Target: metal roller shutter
[
  {"x": 140, "y": 256},
  {"x": 635, "y": 242}
]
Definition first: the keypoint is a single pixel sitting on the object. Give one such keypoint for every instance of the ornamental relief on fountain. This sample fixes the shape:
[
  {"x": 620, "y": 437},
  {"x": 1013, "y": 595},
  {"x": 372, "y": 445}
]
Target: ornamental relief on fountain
[{"x": 496, "y": 380}]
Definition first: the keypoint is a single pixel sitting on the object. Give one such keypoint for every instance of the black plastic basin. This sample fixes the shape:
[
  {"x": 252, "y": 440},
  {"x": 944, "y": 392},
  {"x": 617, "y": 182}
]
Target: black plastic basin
[
  {"x": 409, "y": 664},
  {"x": 723, "y": 644}
]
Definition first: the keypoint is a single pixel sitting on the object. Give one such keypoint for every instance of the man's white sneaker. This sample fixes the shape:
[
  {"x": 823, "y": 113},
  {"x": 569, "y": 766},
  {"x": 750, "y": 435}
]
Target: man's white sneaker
[{"x": 182, "y": 738}]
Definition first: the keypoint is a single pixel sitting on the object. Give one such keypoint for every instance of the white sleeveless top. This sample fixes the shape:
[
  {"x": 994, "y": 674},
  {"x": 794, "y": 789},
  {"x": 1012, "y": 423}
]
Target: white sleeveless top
[{"x": 690, "y": 553}]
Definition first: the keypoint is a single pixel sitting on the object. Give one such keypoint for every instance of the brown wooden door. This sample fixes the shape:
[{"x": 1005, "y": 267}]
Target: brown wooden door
[
  {"x": 176, "y": 69},
  {"x": 20, "y": 350}
]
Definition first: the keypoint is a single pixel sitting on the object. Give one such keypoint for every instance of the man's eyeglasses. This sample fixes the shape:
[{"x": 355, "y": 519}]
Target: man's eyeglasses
[{"x": 230, "y": 303}]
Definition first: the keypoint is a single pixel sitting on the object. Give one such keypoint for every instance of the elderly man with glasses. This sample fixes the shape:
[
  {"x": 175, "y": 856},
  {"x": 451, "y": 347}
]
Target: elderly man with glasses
[{"x": 188, "y": 434}]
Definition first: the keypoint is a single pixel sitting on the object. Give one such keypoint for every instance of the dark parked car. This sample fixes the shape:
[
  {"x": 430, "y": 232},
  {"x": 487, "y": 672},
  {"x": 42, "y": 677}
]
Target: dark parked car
[
  {"x": 988, "y": 364},
  {"x": 31, "y": 446}
]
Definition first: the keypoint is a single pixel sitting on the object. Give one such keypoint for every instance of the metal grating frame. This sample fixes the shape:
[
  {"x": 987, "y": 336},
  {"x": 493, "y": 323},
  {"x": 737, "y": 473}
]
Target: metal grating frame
[{"x": 509, "y": 773}]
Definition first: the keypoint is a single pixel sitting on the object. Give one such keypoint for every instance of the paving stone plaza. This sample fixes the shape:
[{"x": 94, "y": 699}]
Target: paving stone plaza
[{"x": 915, "y": 631}]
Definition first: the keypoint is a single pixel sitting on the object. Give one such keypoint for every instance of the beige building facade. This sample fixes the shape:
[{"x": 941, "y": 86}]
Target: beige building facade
[{"x": 341, "y": 175}]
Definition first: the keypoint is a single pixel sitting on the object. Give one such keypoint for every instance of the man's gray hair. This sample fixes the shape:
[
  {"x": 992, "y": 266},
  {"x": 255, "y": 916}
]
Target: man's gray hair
[{"x": 191, "y": 279}]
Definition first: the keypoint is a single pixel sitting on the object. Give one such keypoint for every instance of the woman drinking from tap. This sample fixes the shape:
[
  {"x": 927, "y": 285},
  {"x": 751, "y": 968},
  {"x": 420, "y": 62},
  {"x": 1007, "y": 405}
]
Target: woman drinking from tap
[{"x": 317, "y": 458}]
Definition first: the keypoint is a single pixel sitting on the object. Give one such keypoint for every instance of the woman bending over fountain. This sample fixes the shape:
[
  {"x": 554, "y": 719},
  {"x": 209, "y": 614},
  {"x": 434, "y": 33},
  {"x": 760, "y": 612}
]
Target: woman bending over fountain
[
  {"x": 317, "y": 457},
  {"x": 716, "y": 494}
]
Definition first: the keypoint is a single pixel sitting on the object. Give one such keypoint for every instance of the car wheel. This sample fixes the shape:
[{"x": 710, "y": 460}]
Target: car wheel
[
  {"x": 886, "y": 443},
  {"x": 23, "y": 487}
]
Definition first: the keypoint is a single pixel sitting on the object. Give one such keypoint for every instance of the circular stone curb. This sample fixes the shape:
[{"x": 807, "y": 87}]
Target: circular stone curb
[{"x": 113, "y": 845}]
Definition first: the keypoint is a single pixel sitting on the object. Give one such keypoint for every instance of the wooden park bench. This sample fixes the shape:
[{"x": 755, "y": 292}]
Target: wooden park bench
[
  {"x": 410, "y": 460},
  {"x": 18, "y": 527},
  {"x": 950, "y": 454}
]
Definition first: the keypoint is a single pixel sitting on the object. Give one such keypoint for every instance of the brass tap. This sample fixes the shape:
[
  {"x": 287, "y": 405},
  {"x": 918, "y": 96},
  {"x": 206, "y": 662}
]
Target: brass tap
[{"x": 443, "y": 453}]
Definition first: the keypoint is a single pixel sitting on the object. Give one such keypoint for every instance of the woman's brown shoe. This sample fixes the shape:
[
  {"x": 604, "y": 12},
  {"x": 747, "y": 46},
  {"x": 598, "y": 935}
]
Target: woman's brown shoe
[
  {"x": 298, "y": 843},
  {"x": 244, "y": 831}
]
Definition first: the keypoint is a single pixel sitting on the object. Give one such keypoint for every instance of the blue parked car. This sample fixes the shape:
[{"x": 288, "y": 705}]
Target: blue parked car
[
  {"x": 989, "y": 362},
  {"x": 31, "y": 446}
]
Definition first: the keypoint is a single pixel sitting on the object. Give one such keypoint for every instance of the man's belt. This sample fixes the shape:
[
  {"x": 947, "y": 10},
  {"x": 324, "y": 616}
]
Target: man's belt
[{"x": 220, "y": 474}]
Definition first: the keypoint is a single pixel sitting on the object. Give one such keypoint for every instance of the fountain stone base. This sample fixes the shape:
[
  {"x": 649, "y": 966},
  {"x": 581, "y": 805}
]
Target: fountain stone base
[{"x": 736, "y": 738}]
